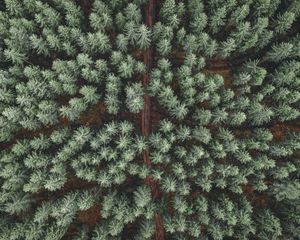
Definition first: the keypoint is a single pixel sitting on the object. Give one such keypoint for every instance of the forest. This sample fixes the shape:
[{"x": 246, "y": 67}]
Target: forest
[{"x": 149, "y": 119}]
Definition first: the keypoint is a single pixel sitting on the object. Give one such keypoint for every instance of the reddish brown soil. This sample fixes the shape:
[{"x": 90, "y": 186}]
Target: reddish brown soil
[
  {"x": 90, "y": 217},
  {"x": 93, "y": 116},
  {"x": 85, "y": 6},
  {"x": 279, "y": 130},
  {"x": 255, "y": 199}
]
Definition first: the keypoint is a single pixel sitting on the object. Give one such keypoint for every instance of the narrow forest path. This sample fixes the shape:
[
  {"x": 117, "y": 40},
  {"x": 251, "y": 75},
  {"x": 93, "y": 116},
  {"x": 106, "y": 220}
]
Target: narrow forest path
[{"x": 146, "y": 118}]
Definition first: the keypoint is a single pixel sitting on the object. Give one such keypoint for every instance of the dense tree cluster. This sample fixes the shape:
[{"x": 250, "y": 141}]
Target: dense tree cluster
[{"x": 220, "y": 171}]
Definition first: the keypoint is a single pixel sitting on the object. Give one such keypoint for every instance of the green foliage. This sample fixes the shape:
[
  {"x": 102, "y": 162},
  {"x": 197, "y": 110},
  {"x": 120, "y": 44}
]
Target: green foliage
[
  {"x": 142, "y": 197},
  {"x": 216, "y": 156},
  {"x": 134, "y": 100},
  {"x": 143, "y": 37},
  {"x": 268, "y": 226},
  {"x": 287, "y": 190}
]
